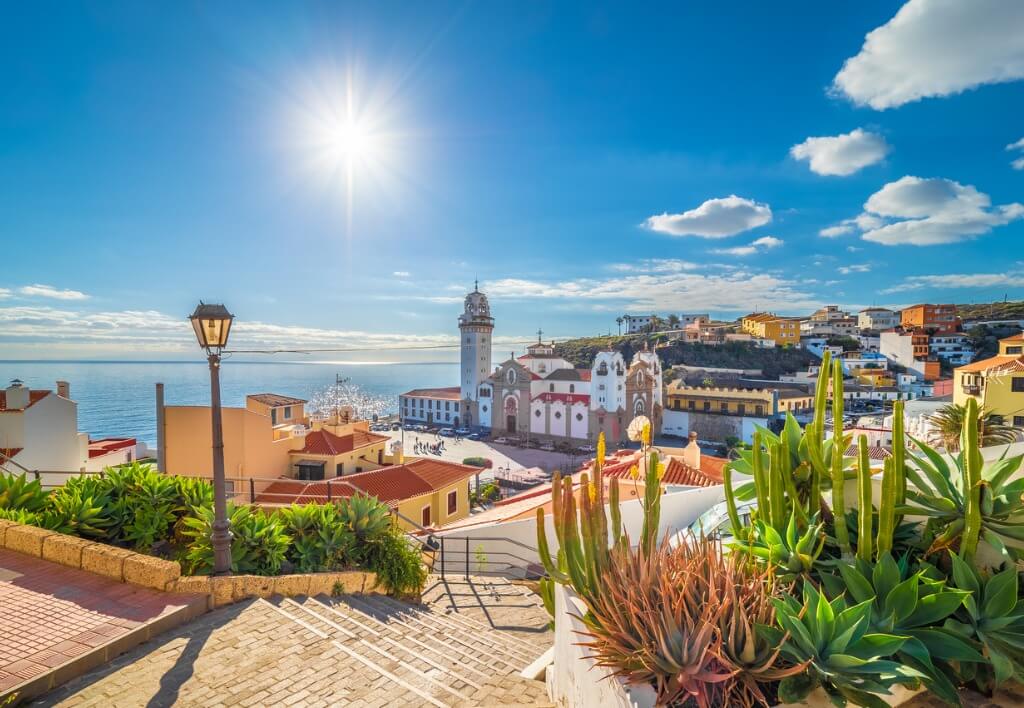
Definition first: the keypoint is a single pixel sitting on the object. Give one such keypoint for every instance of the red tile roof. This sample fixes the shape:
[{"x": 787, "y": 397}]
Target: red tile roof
[
  {"x": 875, "y": 452},
  {"x": 451, "y": 393},
  {"x": 34, "y": 397},
  {"x": 105, "y": 446},
  {"x": 390, "y": 485},
  {"x": 1007, "y": 363},
  {"x": 9, "y": 452},
  {"x": 324, "y": 442},
  {"x": 676, "y": 471}
]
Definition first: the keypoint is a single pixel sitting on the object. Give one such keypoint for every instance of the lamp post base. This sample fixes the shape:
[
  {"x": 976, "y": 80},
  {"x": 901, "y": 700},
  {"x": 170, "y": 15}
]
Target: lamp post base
[{"x": 220, "y": 539}]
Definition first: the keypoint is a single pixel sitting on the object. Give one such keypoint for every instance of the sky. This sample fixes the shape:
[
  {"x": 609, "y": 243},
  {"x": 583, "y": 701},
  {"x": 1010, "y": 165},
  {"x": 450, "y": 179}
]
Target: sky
[{"x": 339, "y": 174}]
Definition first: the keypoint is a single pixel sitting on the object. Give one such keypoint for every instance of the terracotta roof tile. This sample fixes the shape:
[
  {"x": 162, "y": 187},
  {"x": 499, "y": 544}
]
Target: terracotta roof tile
[
  {"x": 451, "y": 393},
  {"x": 390, "y": 485},
  {"x": 275, "y": 399},
  {"x": 1006, "y": 363},
  {"x": 324, "y": 442}
]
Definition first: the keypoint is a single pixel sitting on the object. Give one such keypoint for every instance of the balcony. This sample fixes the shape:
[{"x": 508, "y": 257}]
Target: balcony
[{"x": 972, "y": 390}]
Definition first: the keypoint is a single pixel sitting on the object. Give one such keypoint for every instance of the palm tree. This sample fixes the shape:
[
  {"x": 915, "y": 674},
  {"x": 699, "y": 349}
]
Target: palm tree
[
  {"x": 619, "y": 321},
  {"x": 673, "y": 321},
  {"x": 949, "y": 423}
]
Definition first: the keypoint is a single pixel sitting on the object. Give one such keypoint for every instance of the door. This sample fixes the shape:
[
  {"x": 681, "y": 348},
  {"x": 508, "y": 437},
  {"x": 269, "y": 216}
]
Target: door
[
  {"x": 510, "y": 423},
  {"x": 425, "y": 516}
]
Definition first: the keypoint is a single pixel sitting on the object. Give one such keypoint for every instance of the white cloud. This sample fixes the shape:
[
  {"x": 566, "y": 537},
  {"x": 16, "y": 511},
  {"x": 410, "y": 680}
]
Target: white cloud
[
  {"x": 1017, "y": 164},
  {"x": 856, "y": 268},
  {"x": 715, "y": 218},
  {"x": 842, "y": 154},
  {"x": 401, "y": 274},
  {"x": 655, "y": 265},
  {"x": 761, "y": 244},
  {"x": 864, "y": 222},
  {"x": 49, "y": 291},
  {"x": 731, "y": 291},
  {"x": 936, "y": 48},
  {"x": 958, "y": 280},
  {"x": 854, "y": 249},
  {"x": 5, "y": 293},
  {"x": 926, "y": 212}
]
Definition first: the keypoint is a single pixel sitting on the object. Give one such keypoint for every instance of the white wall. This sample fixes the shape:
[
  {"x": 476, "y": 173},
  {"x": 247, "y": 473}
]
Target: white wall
[
  {"x": 679, "y": 509},
  {"x": 675, "y": 423},
  {"x": 50, "y": 439},
  {"x": 579, "y": 428}
]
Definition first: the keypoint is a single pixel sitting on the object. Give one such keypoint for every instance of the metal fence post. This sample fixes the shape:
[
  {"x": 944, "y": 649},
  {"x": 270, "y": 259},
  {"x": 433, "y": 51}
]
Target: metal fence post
[
  {"x": 252, "y": 491},
  {"x": 442, "y": 558},
  {"x": 329, "y": 490},
  {"x": 467, "y": 557}
]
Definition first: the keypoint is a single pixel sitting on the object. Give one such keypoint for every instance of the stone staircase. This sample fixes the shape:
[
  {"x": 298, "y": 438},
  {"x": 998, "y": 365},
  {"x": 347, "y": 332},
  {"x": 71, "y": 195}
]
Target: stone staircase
[{"x": 424, "y": 654}]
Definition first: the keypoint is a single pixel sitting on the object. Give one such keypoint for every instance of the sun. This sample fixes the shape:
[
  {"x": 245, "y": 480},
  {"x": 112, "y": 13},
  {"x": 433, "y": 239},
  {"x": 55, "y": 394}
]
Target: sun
[{"x": 348, "y": 140}]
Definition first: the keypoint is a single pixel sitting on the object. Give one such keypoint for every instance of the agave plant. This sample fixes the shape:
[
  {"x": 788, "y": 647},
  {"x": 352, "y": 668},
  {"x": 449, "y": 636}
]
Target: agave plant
[
  {"x": 968, "y": 500},
  {"x": 364, "y": 516},
  {"x": 992, "y": 615},
  {"x": 18, "y": 492},
  {"x": 791, "y": 554},
  {"x": 843, "y": 657},
  {"x": 81, "y": 514},
  {"x": 912, "y": 605},
  {"x": 258, "y": 543}
]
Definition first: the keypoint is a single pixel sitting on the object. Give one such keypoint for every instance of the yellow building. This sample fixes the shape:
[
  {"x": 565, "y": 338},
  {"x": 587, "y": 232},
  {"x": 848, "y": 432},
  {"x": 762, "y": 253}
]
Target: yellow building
[
  {"x": 996, "y": 383},
  {"x": 765, "y": 325},
  {"x": 725, "y": 400},
  {"x": 421, "y": 492}
]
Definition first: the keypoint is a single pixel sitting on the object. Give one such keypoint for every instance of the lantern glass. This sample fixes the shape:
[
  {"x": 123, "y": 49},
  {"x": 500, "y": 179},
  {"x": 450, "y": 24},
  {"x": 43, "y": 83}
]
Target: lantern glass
[{"x": 212, "y": 324}]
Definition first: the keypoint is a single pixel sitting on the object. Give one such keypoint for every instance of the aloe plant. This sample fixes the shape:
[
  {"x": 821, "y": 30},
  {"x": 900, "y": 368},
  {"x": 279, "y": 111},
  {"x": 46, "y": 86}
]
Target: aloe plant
[
  {"x": 847, "y": 660},
  {"x": 968, "y": 501},
  {"x": 19, "y": 492},
  {"x": 792, "y": 553},
  {"x": 992, "y": 615},
  {"x": 911, "y": 604},
  {"x": 364, "y": 516}
]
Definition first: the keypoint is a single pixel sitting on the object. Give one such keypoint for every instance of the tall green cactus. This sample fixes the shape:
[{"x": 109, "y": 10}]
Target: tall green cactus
[
  {"x": 972, "y": 482},
  {"x": 864, "y": 520},
  {"x": 652, "y": 505},
  {"x": 838, "y": 448},
  {"x": 887, "y": 507}
]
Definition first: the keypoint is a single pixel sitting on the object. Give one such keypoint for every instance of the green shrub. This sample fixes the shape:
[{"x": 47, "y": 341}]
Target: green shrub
[
  {"x": 478, "y": 462},
  {"x": 17, "y": 492},
  {"x": 398, "y": 565},
  {"x": 320, "y": 540},
  {"x": 258, "y": 544}
]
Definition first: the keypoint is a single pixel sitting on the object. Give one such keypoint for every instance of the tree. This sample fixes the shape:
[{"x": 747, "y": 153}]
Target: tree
[
  {"x": 656, "y": 324},
  {"x": 619, "y": 321},
  {"x": 949, "y": 422},
  {"x": 673, "y": 321}
]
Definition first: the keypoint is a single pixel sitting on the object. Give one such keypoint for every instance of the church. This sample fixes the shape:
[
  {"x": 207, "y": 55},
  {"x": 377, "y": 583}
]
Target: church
[{"x": 539, "y": 394}]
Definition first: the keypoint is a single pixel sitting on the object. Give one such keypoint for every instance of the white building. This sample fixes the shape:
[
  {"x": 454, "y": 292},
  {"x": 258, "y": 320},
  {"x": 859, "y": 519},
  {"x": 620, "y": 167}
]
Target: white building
[
  {"x": 431, "y": 406},
  {"x": 640, "y": 323},
  {"x": 39, "y": 430},
  {"x": 955, "y": 348},
  {"x": 877, "y": 318},
  {"x": 835, "y": 327}
]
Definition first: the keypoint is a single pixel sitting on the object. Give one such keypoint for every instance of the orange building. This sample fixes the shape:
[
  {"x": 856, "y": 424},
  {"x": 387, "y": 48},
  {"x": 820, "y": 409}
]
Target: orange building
[{"x": 937, "y": 319}]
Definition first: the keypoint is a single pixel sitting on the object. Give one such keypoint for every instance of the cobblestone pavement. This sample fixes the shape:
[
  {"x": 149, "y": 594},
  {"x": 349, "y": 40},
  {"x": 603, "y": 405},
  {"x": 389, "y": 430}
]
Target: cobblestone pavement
[
  {"x": 51, "y": 615},
  {"x": 300, "y": 652}
]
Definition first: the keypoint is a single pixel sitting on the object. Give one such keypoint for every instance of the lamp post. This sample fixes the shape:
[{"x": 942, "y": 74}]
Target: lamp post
[{"x": 212, "y": 324}]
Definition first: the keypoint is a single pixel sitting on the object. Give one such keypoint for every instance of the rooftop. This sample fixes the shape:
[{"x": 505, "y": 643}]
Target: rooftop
[
  {"x": 275, "y": 399},
  {"x": 1003, "y": 364},
  {"x": 390, "y": 485},
  {"x": 451, "y": 393},
  {"x": 324, "y": 442},
  {"x": 34, "y": 397}
]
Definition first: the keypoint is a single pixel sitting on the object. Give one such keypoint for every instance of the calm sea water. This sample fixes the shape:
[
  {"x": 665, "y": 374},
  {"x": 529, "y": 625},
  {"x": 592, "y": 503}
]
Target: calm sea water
[{"x": 118, "y": 398}]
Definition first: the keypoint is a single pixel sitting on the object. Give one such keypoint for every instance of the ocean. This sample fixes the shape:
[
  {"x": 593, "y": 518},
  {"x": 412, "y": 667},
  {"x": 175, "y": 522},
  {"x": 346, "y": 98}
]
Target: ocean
[{"x": 117, "y": 398}]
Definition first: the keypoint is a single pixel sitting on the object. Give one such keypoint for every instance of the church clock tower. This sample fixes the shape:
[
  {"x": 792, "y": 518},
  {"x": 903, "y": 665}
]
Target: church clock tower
[{"x": 475, "y": 327}]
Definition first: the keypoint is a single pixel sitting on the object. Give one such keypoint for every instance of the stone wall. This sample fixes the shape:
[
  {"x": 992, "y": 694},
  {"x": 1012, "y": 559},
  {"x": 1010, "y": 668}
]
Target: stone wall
[{"x": 158, "y": 574}]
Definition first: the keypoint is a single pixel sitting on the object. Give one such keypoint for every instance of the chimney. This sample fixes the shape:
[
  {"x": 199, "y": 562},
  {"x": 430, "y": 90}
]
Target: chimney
[
  {"x": 17, "y": 395},
  {"x": 691, "y": 453},
  {"x": 64, "y": 389}
]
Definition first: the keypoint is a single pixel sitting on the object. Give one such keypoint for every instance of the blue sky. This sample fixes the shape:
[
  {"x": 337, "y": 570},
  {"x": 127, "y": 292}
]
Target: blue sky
[{"x": 583, "y": 160}]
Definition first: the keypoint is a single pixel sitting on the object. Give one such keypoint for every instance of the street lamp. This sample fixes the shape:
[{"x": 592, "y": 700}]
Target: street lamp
[{"x": 212, "y": 324}]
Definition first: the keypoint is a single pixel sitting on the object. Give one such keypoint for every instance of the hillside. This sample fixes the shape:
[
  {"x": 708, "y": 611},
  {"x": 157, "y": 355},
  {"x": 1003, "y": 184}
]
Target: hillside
[
  {"x": 733, "y": 355},
  {"x": 1011, "y": 310}
]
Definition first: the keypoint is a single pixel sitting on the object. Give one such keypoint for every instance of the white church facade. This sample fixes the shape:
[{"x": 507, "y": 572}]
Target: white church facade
[{"x": 538, "y": 394}]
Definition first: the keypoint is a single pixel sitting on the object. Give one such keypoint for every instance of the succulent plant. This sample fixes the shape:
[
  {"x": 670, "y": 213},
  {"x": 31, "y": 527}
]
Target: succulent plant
[
  {"x": 992, "y": 614},
  {"x": 968, "y": 500},
  {"x": 18, "y": 492},
  {"x": 364, "y": 516},
  {"x": 792, "y": 553},
  {"x": 844, "y": 658}
]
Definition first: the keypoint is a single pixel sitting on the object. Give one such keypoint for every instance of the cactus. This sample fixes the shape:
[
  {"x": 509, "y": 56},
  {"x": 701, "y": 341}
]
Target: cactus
[
  {"x": 864, "y": 540},
  {"x": 730, "y": 501},
  {"x": 887, "y": 507},
  {"x": 972, "y": 482},
  {"x": 838, "y": 475},
  {"x": 652, "y": 506},
  {"x": 583, "y": 534}
]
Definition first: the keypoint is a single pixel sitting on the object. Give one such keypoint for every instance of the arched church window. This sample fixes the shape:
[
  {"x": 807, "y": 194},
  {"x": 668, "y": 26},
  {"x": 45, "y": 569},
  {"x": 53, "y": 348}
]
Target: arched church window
[{"x": 602, "y": 370}]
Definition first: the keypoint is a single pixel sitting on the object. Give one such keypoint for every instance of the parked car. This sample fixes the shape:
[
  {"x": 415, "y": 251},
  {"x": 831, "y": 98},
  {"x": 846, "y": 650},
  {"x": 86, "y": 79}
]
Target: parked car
[
  {"x": 547, "y": 446},
  {"x": 463, "y": 431},
  {"x": 588, "y": 448},
  {"x": 446, "y": 432},
  {"x": 501, "y": 441},
  {"x": 473, "y": 436},
  {"x": 396, "y": 426}
]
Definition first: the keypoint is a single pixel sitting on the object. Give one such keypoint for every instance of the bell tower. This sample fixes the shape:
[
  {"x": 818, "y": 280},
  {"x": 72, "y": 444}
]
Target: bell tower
[{"x": 475, "y": 328}]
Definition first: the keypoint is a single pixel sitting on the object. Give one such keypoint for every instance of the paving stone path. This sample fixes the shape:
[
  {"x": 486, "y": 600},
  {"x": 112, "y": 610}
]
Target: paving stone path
[{"x": 463, "y": 647}]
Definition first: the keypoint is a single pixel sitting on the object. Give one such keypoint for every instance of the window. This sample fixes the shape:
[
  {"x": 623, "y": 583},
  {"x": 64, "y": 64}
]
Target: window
[
  {"x": 537, "y": 414},
  {"x": 551, "y": 388},
  {"x": 287, "y": 412},
  {"x": 453, "y": 502},
  {"x": 1018, "y": 384},
  {"x": 273, "y": 416},
  {"x": 1018, "y": 421},
  {"x": 425, "y": 516},
  {"x": 483, "y": 408},
  {"x": 692, "y": 405},
  {"x": 339, "y": 469},
  {"x": 579, "y": 416},
  {"x": 724, "y": 407},
  {"x": 447, "y": 405},
  {"x": 707, "y": 407},
  {"x": 742, "y": 410},
  {"x": 759, "y": 410},
  {"x": 1015, "y": 350},
  {"x": 572, "y": 388}
]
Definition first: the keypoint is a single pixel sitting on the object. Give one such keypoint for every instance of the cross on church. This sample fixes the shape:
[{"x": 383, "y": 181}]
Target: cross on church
[{"x": 540, "y": 333}]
